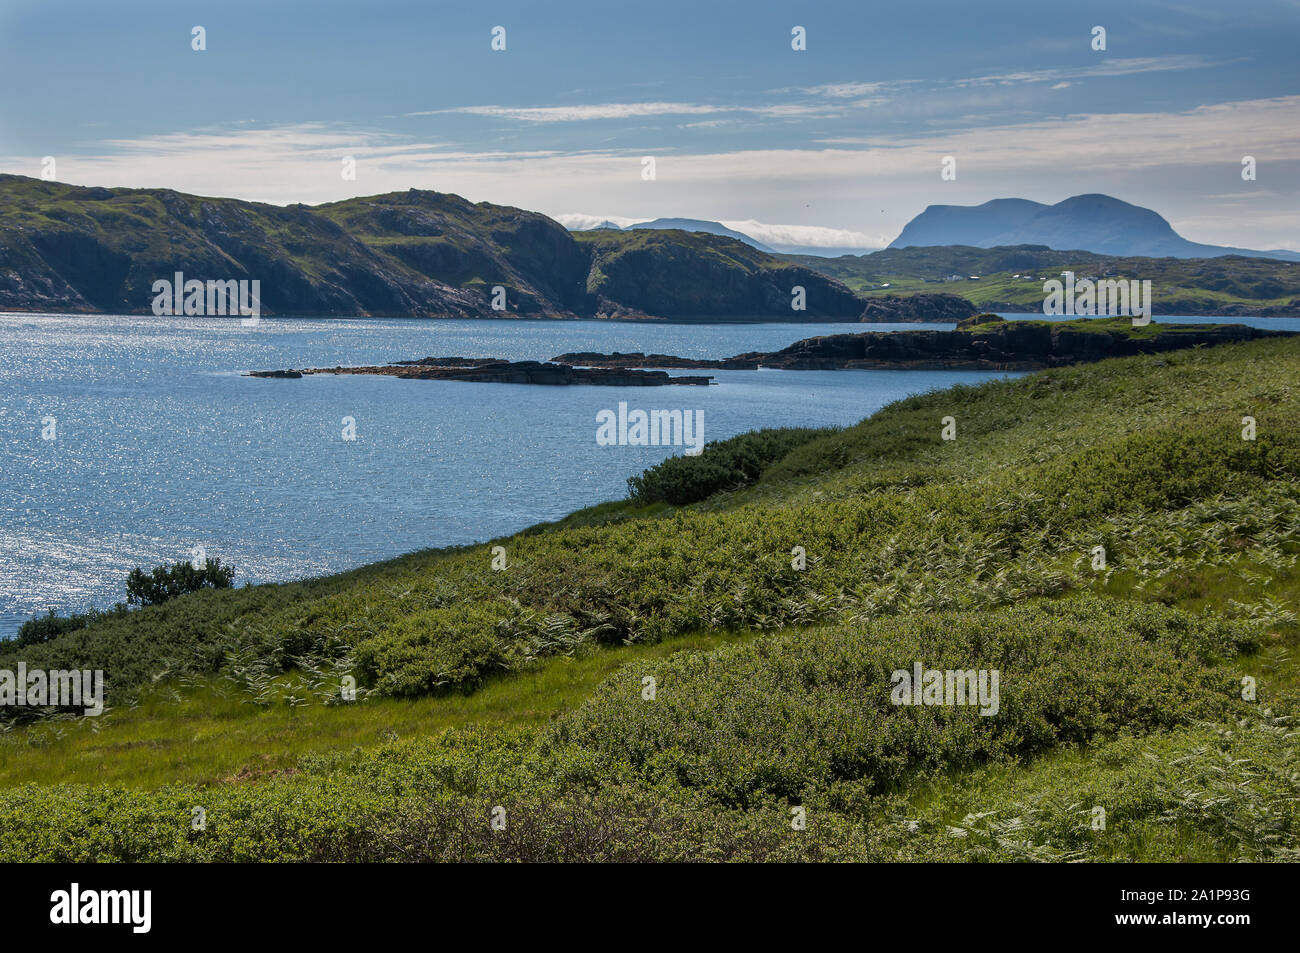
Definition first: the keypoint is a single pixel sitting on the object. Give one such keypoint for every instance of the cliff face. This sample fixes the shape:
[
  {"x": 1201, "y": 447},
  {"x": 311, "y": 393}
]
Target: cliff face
[{"x": 415, "y": 253}]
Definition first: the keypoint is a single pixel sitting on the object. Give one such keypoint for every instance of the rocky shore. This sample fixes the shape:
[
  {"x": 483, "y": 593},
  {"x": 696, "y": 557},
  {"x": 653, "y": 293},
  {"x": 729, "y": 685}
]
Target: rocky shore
[
  {"x": 984, "y": 342},
  {"x": 490, "y": 370}
]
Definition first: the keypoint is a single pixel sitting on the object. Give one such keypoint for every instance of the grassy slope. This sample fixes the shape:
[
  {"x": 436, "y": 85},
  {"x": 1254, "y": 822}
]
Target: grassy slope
[
  {"x": 1142, "y": 454},
  {"x": 204, "y": 730},
  {"x": 1191, "y": 284}
]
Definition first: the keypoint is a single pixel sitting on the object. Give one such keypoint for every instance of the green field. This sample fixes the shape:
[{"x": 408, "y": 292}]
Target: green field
[
  {"x": 1011, "y": 278},
  {"x": 521, "y": 694}
]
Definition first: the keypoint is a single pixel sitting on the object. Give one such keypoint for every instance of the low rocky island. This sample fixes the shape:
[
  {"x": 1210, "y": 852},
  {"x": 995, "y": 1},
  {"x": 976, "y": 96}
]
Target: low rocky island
[
  {"x": 983, "y": 342},
  {"x": 491, "y": 370}
]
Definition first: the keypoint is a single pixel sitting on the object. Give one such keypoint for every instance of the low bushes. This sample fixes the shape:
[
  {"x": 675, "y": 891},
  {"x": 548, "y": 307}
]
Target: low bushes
[
  {"x": 724, "y": 465},
  {"x": 709, "y": 769},
  {"x": 780, "y": 717}
]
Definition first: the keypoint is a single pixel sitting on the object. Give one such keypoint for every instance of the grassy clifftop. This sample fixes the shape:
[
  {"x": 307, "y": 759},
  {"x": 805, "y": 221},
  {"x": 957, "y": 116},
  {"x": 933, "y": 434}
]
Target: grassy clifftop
[{"x": 1121, "y": 683}]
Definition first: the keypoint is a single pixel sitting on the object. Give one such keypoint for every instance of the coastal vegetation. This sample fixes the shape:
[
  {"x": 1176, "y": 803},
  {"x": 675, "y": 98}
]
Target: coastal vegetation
[{"x": 1113, "y": 538}]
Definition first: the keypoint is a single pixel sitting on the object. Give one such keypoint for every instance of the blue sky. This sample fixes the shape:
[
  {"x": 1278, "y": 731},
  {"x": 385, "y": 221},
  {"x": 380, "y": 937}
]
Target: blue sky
[{"x": 839, "y": 145}]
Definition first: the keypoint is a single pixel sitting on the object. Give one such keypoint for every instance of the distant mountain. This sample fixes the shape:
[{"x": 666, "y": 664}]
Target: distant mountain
[
  {"x": 1095, "y": 223},
  {"x": 699, "y": 225},
  {"x": 68, "y": 248}
]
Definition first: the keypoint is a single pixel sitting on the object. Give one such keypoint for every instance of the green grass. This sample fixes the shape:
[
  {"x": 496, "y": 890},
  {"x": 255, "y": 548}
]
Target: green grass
[{"x": 204, "y": 730}]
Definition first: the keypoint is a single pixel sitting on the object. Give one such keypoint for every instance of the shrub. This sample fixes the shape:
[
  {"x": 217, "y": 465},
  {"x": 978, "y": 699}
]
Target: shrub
[
  {"x": 724, "y": 465},
  {"x": 42, "y": 628},
  {"x": 165, "y": 582},
  {"x": 433, "y": 650},
  {"x": 786, "y": 716}
]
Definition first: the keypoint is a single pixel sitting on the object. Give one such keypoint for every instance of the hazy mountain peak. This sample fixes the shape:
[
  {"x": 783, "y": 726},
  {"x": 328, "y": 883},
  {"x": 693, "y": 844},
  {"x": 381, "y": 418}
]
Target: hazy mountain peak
[
  {"x": 1091, "y": 222},
  {"x": 700, "y": 225}
]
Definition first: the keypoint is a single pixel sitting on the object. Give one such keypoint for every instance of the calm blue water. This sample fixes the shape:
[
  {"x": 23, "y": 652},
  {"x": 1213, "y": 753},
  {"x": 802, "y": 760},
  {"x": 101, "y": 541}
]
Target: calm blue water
[{"x": 162, "y": 446}]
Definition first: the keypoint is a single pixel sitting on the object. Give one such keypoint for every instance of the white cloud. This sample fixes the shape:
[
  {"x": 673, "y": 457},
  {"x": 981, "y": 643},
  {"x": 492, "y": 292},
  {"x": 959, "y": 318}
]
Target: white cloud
[
  {"x": 614, "y": 111},
  {"x": 850, "y": 90},
  {"x": 829, "y": 99},
  {"x": 582, "y": 113},
  {"x": 816, "y": 236},
  {"x": 1174, "y": 162},
  {"x": 581, "y": 220},
  {"x": 1108, "y": 67}
]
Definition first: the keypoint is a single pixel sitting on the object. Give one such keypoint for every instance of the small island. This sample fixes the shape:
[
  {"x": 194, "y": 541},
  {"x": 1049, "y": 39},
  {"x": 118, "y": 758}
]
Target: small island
[
  {"x": 494, "y": 371},
  {"x": 984, "y": 342}
]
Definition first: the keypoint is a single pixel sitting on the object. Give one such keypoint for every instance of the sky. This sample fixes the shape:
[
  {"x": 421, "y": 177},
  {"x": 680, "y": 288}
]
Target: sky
[{"x": 838, "y": 144}]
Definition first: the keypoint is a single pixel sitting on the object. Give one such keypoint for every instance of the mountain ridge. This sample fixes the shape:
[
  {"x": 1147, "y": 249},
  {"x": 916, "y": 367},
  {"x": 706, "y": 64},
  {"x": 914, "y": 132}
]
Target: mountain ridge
[{"x": 418, "y": 253}]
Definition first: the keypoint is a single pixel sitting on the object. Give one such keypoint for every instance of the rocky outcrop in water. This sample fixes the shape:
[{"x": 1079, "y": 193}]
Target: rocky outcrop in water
[
  {"x": 637, "y": 359},
  {"x": 492, "y": 371},
  {"x": 984, "y": 342}
]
